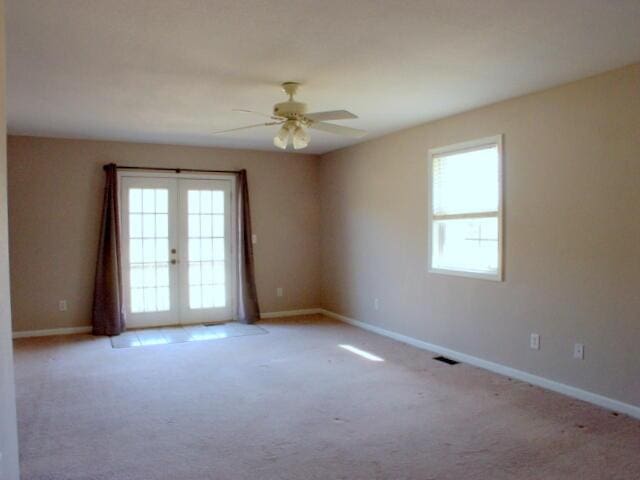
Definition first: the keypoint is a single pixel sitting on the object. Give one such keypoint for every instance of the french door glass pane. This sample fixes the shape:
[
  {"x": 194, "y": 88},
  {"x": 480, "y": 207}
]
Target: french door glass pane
[
  {"x": 206, "y": 231},
  {"x": 149, "y": 249}
]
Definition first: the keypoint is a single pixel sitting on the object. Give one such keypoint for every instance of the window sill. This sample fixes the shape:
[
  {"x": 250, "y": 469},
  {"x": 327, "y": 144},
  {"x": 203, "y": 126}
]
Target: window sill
[{"x": 495, "y": 277}]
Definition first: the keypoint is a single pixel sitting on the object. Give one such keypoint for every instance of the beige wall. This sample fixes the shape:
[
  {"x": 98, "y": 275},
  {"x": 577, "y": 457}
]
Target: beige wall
[
  {"x": 55, "y": 191},
  {"x": 572, "y": 209},
  {"x": 8, "y": 434}
]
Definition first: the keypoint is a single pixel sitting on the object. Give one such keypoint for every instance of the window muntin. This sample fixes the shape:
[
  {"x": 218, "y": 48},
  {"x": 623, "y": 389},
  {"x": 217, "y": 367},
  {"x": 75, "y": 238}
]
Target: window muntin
[
  {"x": 149, "y": 249},
  {"x": 206, "y": 249}
]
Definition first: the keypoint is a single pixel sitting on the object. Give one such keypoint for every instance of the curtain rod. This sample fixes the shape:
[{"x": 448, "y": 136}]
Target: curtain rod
[{"x": 176, "y": 170}]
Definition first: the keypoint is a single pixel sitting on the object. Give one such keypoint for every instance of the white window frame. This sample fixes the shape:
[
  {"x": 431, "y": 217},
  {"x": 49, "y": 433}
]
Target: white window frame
[{"x": 461, "y": 148}]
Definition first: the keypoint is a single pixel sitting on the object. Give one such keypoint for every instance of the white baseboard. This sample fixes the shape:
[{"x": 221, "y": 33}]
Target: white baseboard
[
  {"x": 291, "y": 313},
  {"x": 590, "y": 397},
  {"x": 51, "y": 332}
]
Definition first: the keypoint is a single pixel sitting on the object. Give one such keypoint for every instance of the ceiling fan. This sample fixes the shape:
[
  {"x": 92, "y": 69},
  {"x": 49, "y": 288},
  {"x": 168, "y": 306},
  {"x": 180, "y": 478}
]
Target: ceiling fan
[{"x": 294, "y": 121}]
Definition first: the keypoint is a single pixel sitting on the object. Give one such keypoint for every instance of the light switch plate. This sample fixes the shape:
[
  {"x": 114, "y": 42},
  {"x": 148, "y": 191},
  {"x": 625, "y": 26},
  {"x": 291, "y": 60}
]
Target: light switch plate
[{"x": 535, "y": 341}]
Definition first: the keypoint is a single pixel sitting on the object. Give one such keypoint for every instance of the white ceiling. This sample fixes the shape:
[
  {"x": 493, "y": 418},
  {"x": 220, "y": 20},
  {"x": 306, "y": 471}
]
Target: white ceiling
[{"x": 170, "y": 71}]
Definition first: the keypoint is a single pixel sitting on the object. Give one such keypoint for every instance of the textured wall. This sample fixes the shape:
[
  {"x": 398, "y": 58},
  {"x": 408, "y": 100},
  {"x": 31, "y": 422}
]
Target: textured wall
[
  {"x": 55, "y": 191},
  {"x": 572, "y": 236}
]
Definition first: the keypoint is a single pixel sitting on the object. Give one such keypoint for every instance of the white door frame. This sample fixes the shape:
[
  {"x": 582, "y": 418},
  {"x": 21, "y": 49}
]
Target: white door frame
[{"x": 233, "y": 240}]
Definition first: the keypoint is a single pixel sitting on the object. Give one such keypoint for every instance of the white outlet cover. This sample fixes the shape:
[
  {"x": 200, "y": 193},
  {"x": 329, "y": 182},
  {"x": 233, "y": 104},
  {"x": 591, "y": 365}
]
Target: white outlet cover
[
  {"x": 254, "y": 238},
  {"x": 578, "y": 351},
  {"x": 279, "y": 291},
  {"x": 535, "y": 341},
  {"x": 62, "y": 305}
]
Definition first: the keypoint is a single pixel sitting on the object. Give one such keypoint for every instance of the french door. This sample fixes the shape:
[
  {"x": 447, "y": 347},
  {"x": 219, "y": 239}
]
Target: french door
[{"x": 177, "y": 249}]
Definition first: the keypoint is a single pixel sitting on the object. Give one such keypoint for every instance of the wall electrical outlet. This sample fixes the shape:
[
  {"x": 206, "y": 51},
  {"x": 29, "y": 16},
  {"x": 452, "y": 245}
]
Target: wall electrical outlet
[
  {"x": 62, "y": 305},
  {"x": 254, "y": 238},
  {"x": 534, "y": 341},
  {"x": 578, "y": 351},
  {"x": 279, "y": 292}
]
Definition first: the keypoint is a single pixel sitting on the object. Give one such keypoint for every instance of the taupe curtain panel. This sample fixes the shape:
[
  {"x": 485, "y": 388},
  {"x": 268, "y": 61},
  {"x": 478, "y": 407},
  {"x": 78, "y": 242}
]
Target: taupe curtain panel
[
  {"x": 248, "y": 308},
  {"x": 108, "y": 308}
]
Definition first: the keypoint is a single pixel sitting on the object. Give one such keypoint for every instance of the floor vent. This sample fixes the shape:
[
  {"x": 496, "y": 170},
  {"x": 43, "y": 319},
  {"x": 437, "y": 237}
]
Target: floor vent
[{"x": 446, "y": 360}]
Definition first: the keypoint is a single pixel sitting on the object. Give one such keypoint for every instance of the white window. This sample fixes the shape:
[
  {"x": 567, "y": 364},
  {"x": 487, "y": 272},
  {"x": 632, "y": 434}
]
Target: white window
[{"x": 465, "y": 213}]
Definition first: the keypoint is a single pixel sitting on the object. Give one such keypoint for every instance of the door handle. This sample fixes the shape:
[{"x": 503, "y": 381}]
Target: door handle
[{"x": 173, "y": 261}]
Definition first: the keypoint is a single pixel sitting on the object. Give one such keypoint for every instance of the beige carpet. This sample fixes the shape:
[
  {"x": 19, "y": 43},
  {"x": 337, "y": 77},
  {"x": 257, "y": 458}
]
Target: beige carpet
[{"x": 292, "y": 404}]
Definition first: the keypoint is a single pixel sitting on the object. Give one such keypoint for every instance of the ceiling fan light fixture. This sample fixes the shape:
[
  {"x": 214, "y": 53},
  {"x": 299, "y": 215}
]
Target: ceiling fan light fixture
[
  {"x": 281, "y": 140},
  {"x": 301, "y": 138}
]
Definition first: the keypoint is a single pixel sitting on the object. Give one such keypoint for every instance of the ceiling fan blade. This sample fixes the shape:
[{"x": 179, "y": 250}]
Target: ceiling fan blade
[
  {"x": 338, "y": 129},
  {"x": 268, "y": 124},
  {"x": 331, "y": 115},
  {"x": 242, "y": 110}
]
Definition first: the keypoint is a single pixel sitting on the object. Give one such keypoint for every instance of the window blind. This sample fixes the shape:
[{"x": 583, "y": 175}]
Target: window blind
[{"x": 466, "y": 182}]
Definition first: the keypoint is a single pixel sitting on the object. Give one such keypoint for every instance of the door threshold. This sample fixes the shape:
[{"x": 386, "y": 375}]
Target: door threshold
[
  {"x": 183, "y": 334},
  {"x": 222, "y": 322}
]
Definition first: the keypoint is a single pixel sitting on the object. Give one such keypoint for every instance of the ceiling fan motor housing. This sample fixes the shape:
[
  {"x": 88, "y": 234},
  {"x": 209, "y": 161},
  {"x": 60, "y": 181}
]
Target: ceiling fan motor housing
[{"x": 290, "y": 109}]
